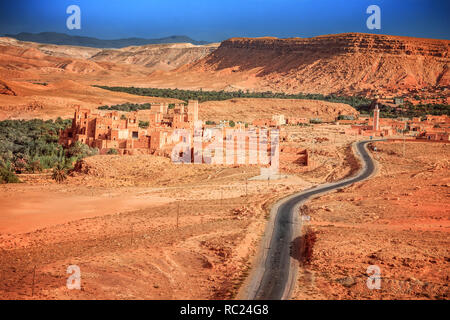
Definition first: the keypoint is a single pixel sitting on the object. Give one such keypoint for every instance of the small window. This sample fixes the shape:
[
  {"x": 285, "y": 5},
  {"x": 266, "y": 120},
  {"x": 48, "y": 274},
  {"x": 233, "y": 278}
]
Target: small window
[{"x": 135, "y": 134}]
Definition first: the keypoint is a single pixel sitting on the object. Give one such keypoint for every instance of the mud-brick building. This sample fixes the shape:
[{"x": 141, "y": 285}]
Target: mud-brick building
[{"x": 108, "y": 130}]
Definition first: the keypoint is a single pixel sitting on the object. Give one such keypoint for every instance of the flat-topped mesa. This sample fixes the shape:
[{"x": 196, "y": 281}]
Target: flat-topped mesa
[{"x": 346, "y": 43}]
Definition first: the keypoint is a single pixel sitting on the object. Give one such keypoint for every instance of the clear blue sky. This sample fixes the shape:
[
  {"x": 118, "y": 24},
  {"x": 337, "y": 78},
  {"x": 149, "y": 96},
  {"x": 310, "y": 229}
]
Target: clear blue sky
[{"x": 216, "y": 20}]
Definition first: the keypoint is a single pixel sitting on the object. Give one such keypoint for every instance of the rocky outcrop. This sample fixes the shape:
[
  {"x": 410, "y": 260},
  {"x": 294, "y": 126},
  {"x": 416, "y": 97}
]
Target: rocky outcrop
[
  {"x": 5, "y": 89},
  {"x": 345, "y": 43},
  {"x": 351, "y": 63}
]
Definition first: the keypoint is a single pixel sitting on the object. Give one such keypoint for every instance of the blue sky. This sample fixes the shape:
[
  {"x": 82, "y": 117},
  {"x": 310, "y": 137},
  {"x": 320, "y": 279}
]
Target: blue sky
[{"x": 216, "y": 20}]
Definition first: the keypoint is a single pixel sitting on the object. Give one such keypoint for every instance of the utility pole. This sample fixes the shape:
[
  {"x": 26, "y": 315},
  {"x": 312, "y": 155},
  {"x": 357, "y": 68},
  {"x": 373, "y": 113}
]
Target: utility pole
[
  {"x": 131, "y": 238},
  {"x": 34, "y": 278},
  {"x": 246, "y": 189},
  {"x": 178, "y": 213},
  {"x": 404, "y": 144}
]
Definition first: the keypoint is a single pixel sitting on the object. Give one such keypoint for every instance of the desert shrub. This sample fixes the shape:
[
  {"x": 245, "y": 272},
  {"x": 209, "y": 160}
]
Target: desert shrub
[
  {"x": 6, "y": 173},
  {"x": 144, "y": 124},
  {"x": 127, "y": 107},
  {"x": 112, "y": 151},
  {"x": 59, "y": 173},
  {"x": 346, "y": 117},
  {"x": 34, "y": 166},
  {"x": 20, "y": 165},
  {"x": 80, "y": 150}
]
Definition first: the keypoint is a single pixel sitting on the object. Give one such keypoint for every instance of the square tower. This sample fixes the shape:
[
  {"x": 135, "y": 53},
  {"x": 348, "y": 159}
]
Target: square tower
[
  {"x": 192, "y": 110},
  {"x": 376, "y": 118}
]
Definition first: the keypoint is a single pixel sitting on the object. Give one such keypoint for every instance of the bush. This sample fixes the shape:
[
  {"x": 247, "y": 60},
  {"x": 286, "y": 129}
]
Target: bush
[
  {"x": 20, "y": 165},
  {"x": 144, "y": 124},
  {"x": 59, "y": 173},
  {"x": 127, "y": 107},
  {"x": 112, "y": 151},
  {"x": 6, "y": 174},
  {"x": 34, "y": 165},
  {"x": 80, "y": 150}
]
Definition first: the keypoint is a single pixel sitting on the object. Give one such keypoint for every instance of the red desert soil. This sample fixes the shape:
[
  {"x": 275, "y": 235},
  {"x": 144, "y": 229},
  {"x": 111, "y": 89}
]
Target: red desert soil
[
  {"x": 117, "y": 220},
  {"x": 153, "y": 230},
  {"x": 46, "y": 81},
  {"x": 244, "y": 109},
  {"x": 24, "y": 100},
  {"x": 398, "y": 221}
]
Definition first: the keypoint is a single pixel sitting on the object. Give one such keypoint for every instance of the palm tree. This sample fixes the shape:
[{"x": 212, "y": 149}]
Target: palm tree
[{"x": 59, "y": 173}]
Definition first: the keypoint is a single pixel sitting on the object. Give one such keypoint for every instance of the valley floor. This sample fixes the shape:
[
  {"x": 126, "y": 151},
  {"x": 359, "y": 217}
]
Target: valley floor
[{"x": 397, "y": 221}]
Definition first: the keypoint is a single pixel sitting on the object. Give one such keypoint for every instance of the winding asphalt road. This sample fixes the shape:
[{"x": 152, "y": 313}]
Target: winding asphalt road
[{"x": 276, "y": 279}]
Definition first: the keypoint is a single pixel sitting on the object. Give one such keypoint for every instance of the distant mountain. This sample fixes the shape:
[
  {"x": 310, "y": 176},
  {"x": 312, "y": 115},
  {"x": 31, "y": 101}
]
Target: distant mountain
[{"x": 64, "y": 39}]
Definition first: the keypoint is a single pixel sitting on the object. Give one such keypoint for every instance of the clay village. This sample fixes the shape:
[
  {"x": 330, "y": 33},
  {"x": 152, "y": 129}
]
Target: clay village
[{"x": 176, "y": 129}]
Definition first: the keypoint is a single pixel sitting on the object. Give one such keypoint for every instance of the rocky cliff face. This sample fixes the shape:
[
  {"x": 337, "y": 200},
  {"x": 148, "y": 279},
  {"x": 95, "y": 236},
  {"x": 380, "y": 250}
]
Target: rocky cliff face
[
  {"x": 345, "y": 43},
  {"x": 343, "y": 64}
]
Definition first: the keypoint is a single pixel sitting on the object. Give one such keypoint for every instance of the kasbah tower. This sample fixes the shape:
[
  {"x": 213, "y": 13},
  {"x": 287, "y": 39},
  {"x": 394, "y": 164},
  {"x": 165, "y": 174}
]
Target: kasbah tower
[{"x": 376, "y": 118}]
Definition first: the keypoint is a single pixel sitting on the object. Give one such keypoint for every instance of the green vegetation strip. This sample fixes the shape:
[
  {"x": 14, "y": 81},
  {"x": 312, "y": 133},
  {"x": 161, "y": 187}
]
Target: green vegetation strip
[
  {"x": 362, "y": 104},
  {"x": 32, "y": 146},
  {"x": 203, "y": 96}
]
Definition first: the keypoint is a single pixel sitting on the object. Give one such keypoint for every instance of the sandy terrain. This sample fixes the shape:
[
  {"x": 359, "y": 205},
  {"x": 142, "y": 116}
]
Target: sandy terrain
[
  {"x": 118, "y": 223},
  {"x": 399, "y": 221},
  {"x": 58, "y": 99},
  {"x": 244, "y": 109},
  {"x": 128, "y": 241}
]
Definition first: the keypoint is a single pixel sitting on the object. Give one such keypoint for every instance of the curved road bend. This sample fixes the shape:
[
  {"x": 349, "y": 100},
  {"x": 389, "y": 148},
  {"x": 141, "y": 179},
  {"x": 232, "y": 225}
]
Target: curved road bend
[{"x": 276, "y": 279}]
